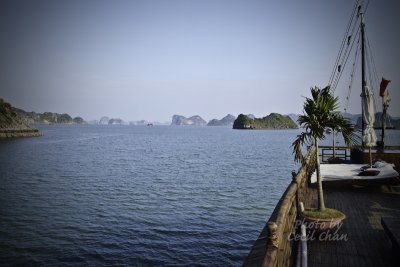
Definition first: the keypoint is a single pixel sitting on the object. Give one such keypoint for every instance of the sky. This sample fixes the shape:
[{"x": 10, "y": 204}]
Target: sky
[{"x": 151, "y": 59}]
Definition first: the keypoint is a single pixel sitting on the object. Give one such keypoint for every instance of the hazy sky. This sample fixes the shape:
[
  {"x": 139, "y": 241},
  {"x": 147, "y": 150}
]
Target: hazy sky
[{"x": 151, "y": 59}]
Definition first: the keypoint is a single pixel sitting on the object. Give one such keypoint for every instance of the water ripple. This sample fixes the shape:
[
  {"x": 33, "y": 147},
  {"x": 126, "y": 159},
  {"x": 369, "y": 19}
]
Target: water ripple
[{"x": 139, "y": 196}]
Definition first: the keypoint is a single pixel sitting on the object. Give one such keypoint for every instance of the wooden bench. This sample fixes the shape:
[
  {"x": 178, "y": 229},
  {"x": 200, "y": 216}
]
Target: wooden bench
[{"x": 392, "y": 229}]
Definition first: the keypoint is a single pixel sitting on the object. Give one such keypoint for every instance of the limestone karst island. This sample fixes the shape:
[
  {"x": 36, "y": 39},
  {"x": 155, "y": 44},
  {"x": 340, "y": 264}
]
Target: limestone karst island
[{"x": 272, "y": 121}]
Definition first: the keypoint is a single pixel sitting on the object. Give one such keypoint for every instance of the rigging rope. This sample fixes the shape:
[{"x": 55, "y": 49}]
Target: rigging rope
[
  {"x": 366, "y": 7},
  {"x": 343, "y": 64},
  {"x": 344, "y": 52},
  {"x": 351, "y": 34},
  {"x": 346, "y": 36},
  {"x": 354, "y": 68}
]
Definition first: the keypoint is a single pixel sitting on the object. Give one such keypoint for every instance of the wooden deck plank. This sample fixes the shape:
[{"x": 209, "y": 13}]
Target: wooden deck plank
[{"x": 367, "y": 244}]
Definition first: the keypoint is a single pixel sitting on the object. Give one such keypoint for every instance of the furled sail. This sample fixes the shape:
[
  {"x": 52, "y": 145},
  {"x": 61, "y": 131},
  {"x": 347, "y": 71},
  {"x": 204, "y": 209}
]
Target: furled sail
[{"x": 369, "y": 136}]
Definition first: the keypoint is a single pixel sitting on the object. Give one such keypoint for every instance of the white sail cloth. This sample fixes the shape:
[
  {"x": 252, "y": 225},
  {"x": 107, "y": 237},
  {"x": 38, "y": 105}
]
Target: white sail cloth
[{"x": 369, "y": 136}]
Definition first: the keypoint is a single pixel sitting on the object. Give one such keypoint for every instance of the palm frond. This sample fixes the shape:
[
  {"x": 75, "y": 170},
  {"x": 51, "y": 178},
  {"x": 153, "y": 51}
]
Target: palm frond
[
  {"x": 319, "y": 113},
  {"x": 303, "y": 138},
  {"x": 344, "y": 126}
]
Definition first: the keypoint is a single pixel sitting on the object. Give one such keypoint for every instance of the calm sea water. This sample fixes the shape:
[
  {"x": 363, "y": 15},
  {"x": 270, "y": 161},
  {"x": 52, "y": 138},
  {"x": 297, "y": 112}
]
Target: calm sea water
[{"x": 139, "y": 196}]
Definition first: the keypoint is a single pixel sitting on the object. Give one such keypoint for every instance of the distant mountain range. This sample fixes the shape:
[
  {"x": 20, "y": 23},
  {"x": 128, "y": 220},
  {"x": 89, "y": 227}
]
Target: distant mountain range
[
  {"x": 196, "y": 120},
  {"x": 356, "y": 120},
  {"x": 352, "y": 117},
  {"x": 391, "y": 121},
  {"x": 117, "y": 121},
  {"x": 29, "y": 118}
]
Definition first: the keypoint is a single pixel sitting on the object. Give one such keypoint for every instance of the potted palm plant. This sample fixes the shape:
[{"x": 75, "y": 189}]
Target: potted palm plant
[{"x": 321, "y": 112}]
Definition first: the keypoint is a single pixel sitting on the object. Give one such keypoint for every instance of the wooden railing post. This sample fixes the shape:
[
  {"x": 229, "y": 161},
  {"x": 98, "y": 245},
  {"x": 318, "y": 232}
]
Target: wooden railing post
[{"x": 273, "y": 237}]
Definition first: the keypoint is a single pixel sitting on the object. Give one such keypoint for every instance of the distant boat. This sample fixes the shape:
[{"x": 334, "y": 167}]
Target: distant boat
[{"x": 150, "y": 125}]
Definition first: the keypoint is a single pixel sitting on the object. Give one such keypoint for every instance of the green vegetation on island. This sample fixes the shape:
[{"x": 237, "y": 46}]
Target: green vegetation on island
[
  {"x": 272, "y": 121},
  {"x": 15, "y": 122},
  {"x": 48, "y": 118},
  {"x": 12, "y": 124}
]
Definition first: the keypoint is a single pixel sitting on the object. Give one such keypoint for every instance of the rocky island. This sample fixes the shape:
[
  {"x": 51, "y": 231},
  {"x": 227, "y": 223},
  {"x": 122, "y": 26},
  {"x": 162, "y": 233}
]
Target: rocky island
[
  {"x": 109, "y": 121},
  {"x": 272, "y": 121},
  {"x": 225, "y": 121},
  {"x": 48, "y": 118},
  {"x": 12, "y": 124},
  {"x": 194, "y": 120}
]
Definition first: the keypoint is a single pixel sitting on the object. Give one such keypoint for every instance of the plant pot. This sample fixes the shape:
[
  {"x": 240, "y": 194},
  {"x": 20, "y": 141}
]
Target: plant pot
[{"x": 320, "y": 225}]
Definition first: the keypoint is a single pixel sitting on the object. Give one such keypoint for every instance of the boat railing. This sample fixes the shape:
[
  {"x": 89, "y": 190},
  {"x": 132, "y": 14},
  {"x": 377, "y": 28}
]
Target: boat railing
[
  {"x": 275, "y": 245},
  {"x": 341, "y": 152}
]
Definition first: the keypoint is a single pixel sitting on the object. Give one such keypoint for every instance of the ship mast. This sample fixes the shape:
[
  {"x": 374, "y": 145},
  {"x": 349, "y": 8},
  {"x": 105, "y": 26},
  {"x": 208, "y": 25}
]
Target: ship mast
[{"x": 363, "y": 82}]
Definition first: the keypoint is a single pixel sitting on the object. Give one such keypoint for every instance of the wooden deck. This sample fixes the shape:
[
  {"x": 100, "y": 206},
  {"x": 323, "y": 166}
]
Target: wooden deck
[{"x": 367, "y": 243}]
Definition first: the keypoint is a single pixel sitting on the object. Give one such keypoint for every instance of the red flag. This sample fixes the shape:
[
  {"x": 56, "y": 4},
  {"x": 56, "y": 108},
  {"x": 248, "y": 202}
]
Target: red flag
[{"x": 384, "y": 84}]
